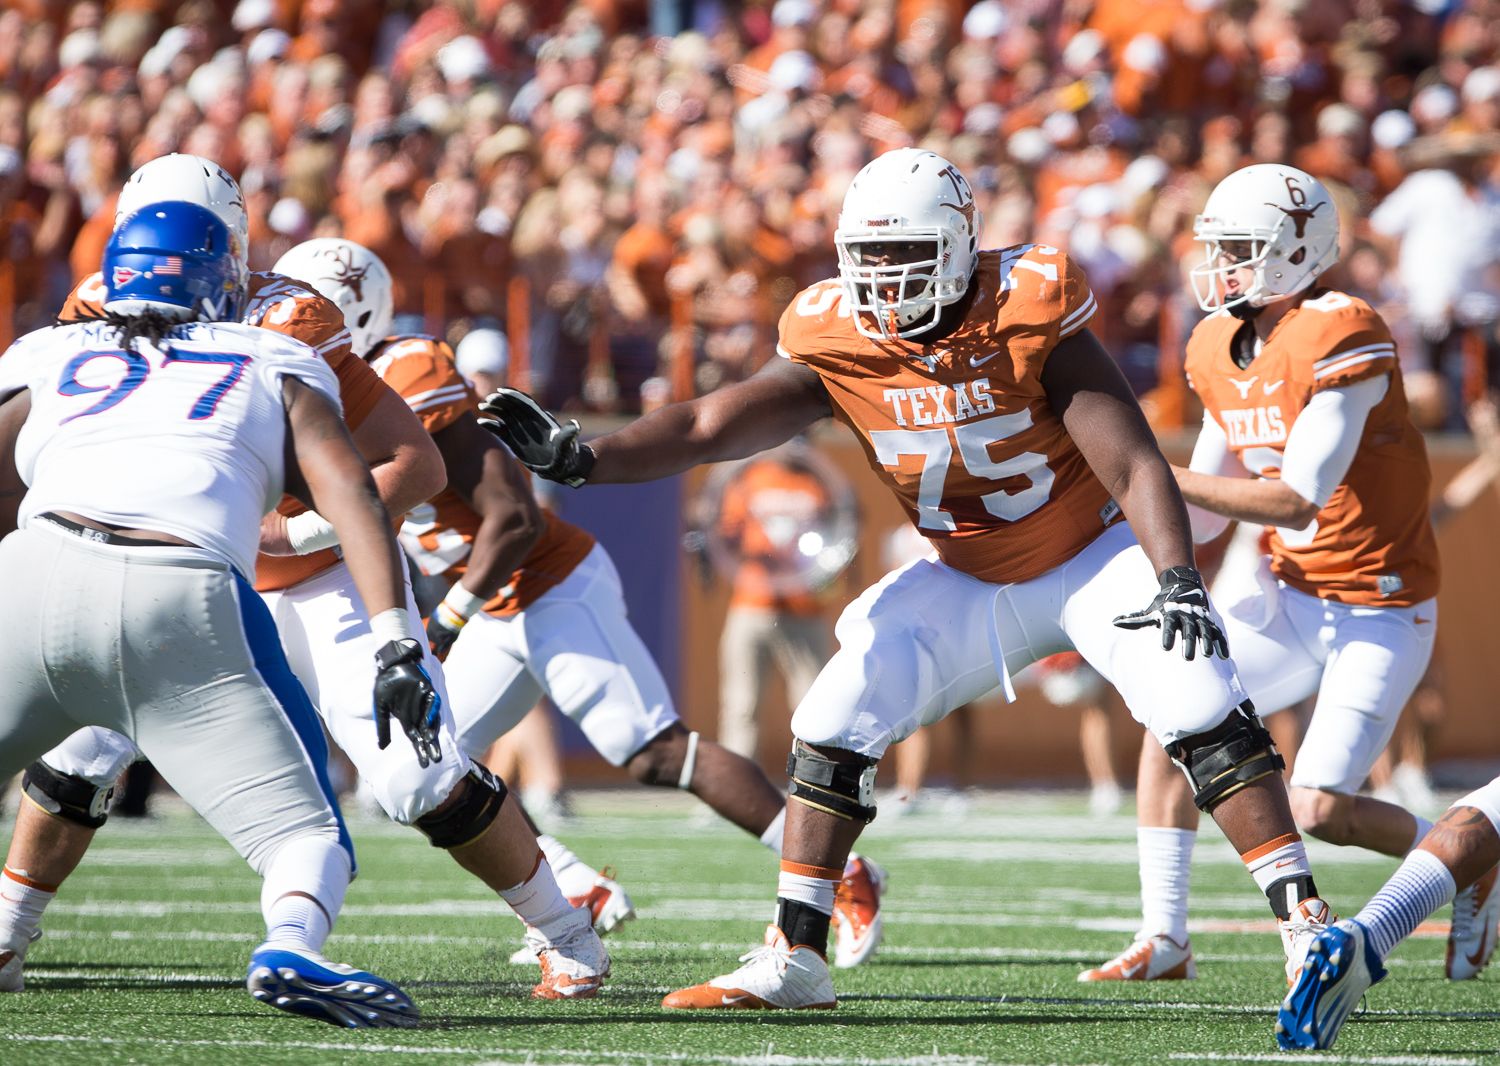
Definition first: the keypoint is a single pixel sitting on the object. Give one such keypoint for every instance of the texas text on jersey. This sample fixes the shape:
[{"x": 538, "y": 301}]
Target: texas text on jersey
[
  {"x": 1372, "y": 544},
  {"x": 439, "y": 534},
  {"x": 284, "y": 306},
  {"x": 961, "y": 429}
]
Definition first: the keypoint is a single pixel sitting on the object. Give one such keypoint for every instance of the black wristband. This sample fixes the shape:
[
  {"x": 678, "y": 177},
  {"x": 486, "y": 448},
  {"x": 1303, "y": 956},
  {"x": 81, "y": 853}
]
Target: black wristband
[
  {"x": 585, "y": 464},
  {"x": 393, "y": 652}
]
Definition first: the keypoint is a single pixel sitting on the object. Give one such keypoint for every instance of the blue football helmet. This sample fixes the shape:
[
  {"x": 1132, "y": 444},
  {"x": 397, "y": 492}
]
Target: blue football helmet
[{"x": 176, "y": 258}]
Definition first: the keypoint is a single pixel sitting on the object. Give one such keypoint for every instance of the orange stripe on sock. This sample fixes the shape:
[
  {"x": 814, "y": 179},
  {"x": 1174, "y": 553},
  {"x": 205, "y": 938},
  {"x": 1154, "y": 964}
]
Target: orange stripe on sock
[
  {"x": 1269, "y": 846},
  {"x": 28, "y": 882},
  {"x": 802, "y": 869}
]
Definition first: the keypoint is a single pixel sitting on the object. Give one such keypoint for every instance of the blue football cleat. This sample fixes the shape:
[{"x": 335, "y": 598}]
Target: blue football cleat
[
  {"x": 1339, "y": 967},
  {"x": 303, "y": 982}
]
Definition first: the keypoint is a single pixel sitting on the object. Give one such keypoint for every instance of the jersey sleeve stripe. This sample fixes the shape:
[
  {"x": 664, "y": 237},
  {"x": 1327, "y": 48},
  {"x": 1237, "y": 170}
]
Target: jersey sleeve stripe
[
  {"x": 1386, "y": 346},
  {"x": 343, "y": 336},
  {"x": 439, "y": 401},
  {"x": 783, "y": 352},
  {"x": 1352, "y": 361},
  {"x": 1079, "y": 318},
  {"x": 421, "y": 401}
]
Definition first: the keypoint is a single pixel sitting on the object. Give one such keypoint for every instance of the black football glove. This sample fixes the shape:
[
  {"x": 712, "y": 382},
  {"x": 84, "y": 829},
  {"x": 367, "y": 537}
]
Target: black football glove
[
  {"x": 1181, "y": 609},
  {"x": 443, "y": 628},
  {"x": 403, "y": 691},
  {"x": 542, "y": 443}
]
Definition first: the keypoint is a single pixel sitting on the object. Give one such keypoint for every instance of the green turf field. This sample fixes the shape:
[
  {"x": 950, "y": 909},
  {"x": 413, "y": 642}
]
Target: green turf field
[{"x": 991, "y": 913}]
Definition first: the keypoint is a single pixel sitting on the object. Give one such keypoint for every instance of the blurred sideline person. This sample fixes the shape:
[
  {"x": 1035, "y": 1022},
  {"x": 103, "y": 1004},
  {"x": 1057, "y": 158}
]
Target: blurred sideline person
[
  {"x": 1066, "y": 681},
  {"x": 1306, "y": 429},
  {"x": 774, "y": 617},
  {"x": 1012, "y": 441},
  {"x": 326, "y": 633},
  {"x": 176, "y": 649},
  {"x": 536, "y": 608}
]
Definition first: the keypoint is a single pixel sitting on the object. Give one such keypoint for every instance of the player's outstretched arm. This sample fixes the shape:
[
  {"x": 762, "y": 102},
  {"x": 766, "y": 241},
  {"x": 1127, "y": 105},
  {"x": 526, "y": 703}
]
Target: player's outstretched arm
[
  {"x": 778, "y": 402},
  {"x": 485, "y": 476},
  {"x": 1100, "y": 413}
]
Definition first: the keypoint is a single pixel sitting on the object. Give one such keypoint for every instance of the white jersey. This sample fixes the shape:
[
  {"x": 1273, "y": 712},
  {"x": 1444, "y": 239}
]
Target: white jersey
[{"x": 186, "y": 438}]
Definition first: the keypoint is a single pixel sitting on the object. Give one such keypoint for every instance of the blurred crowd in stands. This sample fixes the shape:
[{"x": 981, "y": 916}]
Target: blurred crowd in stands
[{"x": 633, "y": 189}]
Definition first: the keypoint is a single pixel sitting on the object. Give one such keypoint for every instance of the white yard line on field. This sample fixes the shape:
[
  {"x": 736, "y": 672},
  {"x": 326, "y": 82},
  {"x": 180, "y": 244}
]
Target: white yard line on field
[{"x": 532, "y": 1057}]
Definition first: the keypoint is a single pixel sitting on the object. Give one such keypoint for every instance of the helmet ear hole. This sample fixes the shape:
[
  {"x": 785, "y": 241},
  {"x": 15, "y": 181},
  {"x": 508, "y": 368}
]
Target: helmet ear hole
[
  {"x": 1296, "y": 257},
  {"x": 364, "y": 319}
]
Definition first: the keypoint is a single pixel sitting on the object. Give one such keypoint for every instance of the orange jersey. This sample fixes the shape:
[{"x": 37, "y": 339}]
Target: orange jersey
[
  {"x": 1372, "y": 544},
  {"x": 961, "y": 430},
  {"x": 279, "y": 304},
  {"x": 439, "y": 534}
]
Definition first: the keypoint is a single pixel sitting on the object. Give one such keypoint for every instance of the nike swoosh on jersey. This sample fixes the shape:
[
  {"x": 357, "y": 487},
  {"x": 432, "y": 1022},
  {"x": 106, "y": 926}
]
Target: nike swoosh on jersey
[
  {"x": 976, "y": 362},
  {"x": 1271, "y": 386}
]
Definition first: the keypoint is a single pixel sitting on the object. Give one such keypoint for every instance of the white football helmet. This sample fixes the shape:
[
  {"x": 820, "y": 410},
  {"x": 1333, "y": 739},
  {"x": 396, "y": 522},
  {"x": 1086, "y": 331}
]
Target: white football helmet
[
  {"x": 350, "y": 275},
  {"x": 198, "y": 181},
  {"x": 1286, "y": 219},
  {"x": 907, "y": 195}
]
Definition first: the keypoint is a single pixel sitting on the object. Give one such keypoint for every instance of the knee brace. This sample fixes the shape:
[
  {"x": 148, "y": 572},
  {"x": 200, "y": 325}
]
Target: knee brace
[
  {"x": 843, "y": 789},
  {"x": 1228, "y": 757},
  {"x": 470, "y": 815},
  {"x": 65, "y": 796}
]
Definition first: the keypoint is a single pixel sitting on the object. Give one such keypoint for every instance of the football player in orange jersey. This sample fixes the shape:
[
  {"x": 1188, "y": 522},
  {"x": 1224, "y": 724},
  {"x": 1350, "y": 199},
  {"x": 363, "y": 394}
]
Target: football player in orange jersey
[
  {"x": 1305, "y": 430},
  {"x": 536, "y": 608},
  {"x": 437, "y": 789},
  {"x": 1014, "y": 445}
]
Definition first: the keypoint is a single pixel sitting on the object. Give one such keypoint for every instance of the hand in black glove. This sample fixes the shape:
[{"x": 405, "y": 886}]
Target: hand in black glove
[
  {"x": 542, "y": 443},
  {"x": 403, "y": 691},
  {"x": 1181, "y": 609},
  {"x": 443, "y": 628}
]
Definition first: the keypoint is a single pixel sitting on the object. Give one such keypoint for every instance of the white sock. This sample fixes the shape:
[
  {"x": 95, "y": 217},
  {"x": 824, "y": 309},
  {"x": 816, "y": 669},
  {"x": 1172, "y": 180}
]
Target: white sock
[
  {"x": 1420, "y": 885},
  {"x": 1423, "y": 826},
  {"x": 302, "y": 891},
  {"x": 537, "y": 900},
  {"x": 814, "y": 886},
  {"x": 1166, "y": 862},
  {"x": 298, "y": 922},
  {"x": 22, "y": 901},
  {"x": 574, "y": 876},
  {"x": 771, "y": 838}
]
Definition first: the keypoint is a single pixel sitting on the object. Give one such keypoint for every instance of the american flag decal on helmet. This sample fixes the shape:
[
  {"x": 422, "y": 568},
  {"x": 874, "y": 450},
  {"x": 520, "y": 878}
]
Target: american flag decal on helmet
[{"x": 172, "y": 264}]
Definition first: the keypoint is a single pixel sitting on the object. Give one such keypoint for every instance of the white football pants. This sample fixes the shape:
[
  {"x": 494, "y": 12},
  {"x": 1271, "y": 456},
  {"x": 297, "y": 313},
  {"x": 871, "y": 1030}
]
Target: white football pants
[
  {"x": 174, "y": 650},
  {"x": 927, "y": 639},
  {"x": 575, "y": 645}
]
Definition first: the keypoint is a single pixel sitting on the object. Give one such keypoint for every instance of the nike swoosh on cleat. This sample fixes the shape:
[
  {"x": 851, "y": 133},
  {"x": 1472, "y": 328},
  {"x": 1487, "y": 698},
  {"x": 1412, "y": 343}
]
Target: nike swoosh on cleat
[
  {"x": 1480, "y": 953},
  {"x": 734, "y": 1001},
  {"x": 1128, "y": 974}
]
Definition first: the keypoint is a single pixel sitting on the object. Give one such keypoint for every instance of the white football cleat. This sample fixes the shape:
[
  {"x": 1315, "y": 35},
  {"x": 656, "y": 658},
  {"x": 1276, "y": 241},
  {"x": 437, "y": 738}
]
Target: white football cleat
[
  {"x": 775, "y": 976},
  {"x": 12, "y": 958},
  {"x": 1149, "y": 958},
  {"x": 857, "y": 924},
  {"x": 1308, "y": 919},
  {"x": 574, "y": 962},
  {"x": 1471, "y": 938},
  {"x": 1338, "y": 967},
  {"x": 605, "y": 901}
]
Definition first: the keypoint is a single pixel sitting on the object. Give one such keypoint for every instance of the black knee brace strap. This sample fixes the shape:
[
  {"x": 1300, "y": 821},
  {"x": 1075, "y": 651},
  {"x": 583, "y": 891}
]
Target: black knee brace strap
[
  {"x": 471, "y": 815},
  {"x": 65, "y": 796},
  {"x": 1228, "y": 757},
  {"x": 844, "y": 789}
]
